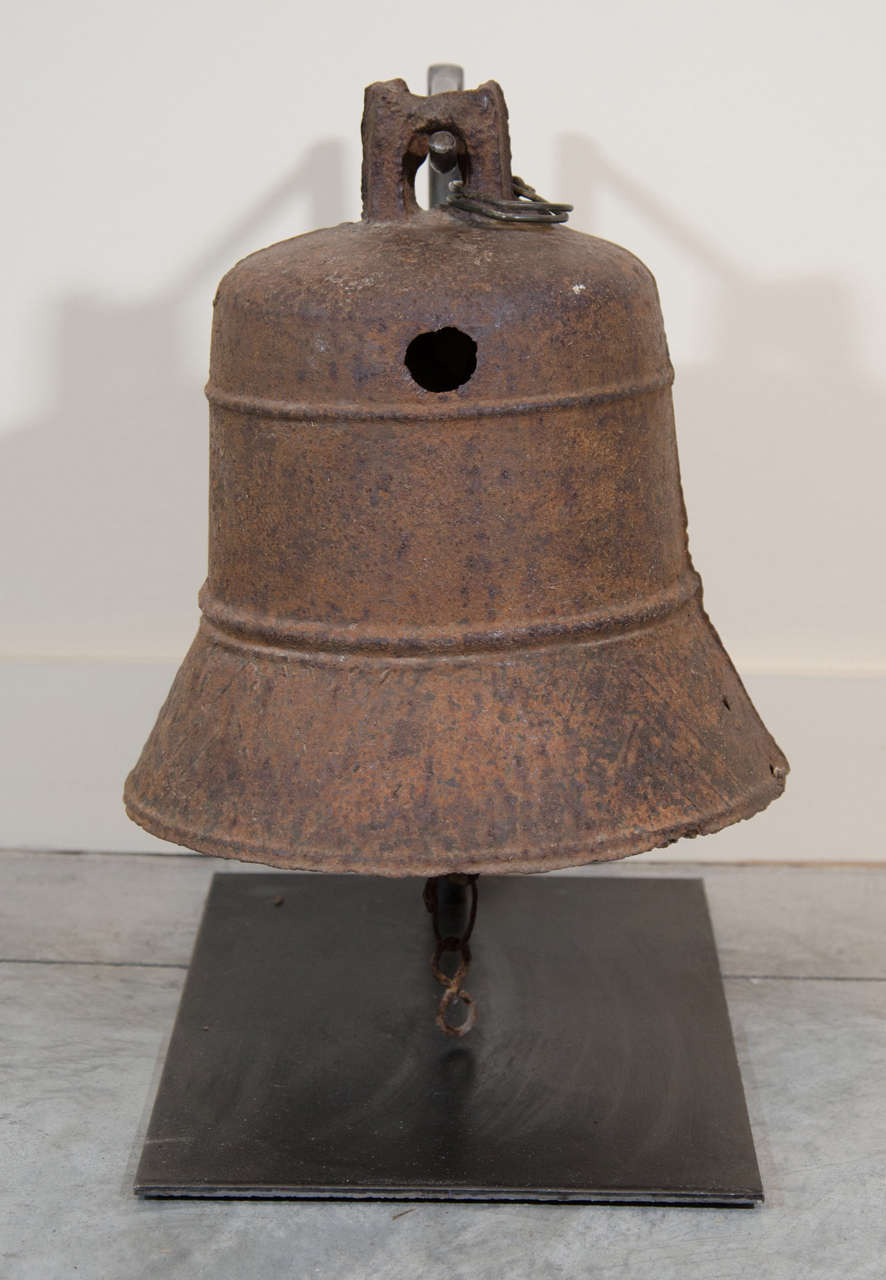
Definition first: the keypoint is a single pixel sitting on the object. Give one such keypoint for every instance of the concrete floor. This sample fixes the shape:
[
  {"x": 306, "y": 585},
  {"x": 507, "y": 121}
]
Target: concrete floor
[{"x": 93, "y": 950}]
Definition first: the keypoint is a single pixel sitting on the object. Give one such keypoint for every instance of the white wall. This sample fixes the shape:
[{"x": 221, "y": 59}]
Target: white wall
[{"x": 737, "y": 148}]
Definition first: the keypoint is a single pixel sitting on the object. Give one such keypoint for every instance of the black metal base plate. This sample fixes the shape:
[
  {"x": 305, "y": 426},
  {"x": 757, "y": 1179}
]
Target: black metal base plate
[{"x": 305, "y": 1061}]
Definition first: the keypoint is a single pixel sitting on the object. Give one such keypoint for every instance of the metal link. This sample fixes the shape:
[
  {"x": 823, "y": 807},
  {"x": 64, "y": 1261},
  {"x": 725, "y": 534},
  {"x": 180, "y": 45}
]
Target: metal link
[
  {"x": 527, "y": 206},
  {"x": 458, "y": 944}
]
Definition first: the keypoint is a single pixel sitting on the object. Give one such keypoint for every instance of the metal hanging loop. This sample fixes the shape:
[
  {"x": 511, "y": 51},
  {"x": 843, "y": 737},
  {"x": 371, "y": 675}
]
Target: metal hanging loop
[{"x": 527, "y": 205}]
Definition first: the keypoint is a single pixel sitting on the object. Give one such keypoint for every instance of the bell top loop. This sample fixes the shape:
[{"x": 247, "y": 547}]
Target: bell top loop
[{"x": 397, "y": 128}]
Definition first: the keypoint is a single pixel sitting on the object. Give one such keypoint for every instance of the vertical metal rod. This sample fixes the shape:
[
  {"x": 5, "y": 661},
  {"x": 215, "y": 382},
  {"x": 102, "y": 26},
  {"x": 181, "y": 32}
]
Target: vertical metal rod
[{"x": 443, "y": 77}]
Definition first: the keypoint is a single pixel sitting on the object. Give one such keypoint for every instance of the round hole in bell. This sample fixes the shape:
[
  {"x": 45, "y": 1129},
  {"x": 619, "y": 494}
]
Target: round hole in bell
[{"x": 442, "y": 360}]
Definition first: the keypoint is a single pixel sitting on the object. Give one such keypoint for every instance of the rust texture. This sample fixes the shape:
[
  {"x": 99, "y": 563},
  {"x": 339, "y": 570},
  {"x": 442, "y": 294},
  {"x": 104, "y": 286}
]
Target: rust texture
[{"x": 446, "y": 631}]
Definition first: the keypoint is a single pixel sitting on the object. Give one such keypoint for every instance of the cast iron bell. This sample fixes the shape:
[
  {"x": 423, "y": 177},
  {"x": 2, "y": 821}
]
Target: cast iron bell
[{"x": 450, "y": 622}]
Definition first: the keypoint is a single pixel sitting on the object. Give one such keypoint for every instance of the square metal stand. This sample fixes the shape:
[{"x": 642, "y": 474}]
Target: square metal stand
[{"x": 305, "y": 1061}]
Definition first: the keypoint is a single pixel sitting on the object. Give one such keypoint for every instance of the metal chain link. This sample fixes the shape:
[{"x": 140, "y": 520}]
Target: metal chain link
[
  {"x": 461, "y": 946},
  {"x": 527, "y": 205}
]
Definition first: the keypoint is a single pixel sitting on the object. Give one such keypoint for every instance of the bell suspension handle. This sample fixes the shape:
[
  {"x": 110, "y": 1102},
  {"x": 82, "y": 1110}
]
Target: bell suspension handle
[
  {"x": 397, "y": 130},
  {"x": 463, "y": 133}
]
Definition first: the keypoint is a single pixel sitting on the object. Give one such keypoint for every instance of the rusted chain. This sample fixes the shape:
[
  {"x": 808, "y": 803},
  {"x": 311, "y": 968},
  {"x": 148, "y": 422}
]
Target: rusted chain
[
  {"x": 460, "y": 945},
  {"x": 526, "y": 206}
]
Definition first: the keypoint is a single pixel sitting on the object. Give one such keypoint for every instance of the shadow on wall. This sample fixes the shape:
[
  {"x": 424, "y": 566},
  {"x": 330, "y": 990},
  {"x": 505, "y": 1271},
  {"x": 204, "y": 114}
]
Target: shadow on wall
[
  {"x": 103, "y": 502},
  {"x": 782, "y": 437}
]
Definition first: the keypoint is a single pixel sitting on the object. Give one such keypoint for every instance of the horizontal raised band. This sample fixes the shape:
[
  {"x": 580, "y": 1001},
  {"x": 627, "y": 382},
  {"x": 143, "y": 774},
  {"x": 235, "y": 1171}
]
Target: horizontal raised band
[
  {"x": 434, "y": 409},
  {"x": 236, "y": 626}
]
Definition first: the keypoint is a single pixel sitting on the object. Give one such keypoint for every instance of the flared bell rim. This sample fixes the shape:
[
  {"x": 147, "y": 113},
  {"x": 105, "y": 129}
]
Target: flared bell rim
[
  {"x": 508, "y": 762},
  {"x": 519, "y": 860}
]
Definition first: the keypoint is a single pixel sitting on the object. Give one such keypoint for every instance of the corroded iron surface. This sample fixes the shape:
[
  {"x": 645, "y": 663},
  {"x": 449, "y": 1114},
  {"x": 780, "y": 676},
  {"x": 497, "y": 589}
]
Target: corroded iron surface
[{"x": 446, "y": 630}]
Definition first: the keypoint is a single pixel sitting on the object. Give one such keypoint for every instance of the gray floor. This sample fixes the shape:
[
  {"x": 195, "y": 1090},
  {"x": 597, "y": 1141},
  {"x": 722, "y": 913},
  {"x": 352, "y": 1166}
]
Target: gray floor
[{"x": 93, "y": 949}]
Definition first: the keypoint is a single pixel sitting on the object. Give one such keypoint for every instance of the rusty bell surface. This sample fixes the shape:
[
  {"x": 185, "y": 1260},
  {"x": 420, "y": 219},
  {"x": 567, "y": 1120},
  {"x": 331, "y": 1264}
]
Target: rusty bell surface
[{"x": 450, "y": 622}]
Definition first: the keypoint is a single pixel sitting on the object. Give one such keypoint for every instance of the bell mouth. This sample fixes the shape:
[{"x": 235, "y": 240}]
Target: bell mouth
[
  {"x": 506, "y": 760},
  {"x": 518, "y": 860}
]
